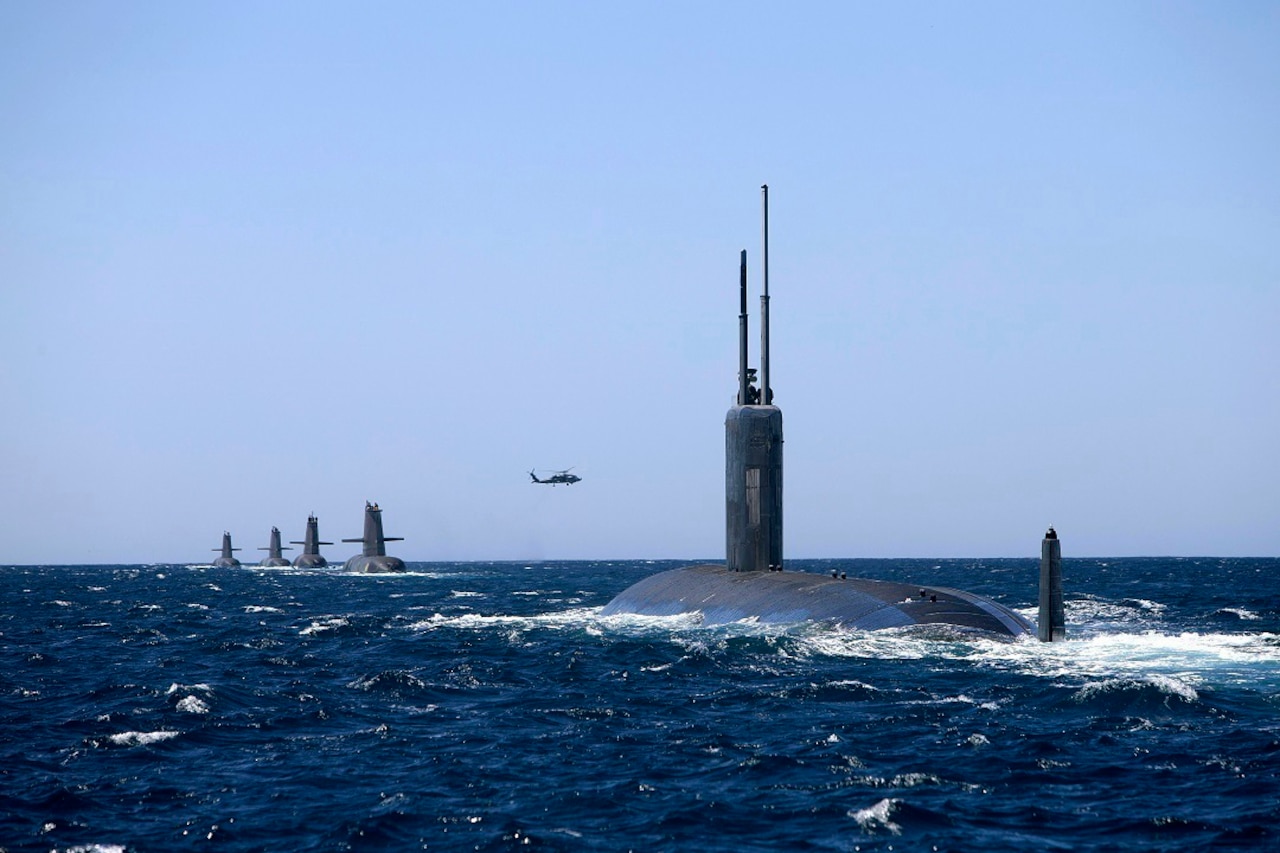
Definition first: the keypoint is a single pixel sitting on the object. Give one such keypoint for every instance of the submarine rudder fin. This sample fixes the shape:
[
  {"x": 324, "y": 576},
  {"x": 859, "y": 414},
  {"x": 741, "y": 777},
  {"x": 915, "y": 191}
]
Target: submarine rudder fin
[{"x": 1052, "y": 626}]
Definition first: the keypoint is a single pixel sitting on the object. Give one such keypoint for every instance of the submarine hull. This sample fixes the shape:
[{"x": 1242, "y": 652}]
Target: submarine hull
[
  {"x": 374, "y": 564},
  {"x": 722, "y": 596},
  {"x": 274, "y": 562},
  {"x": 309, "y": 561},
  {"x": 225, "y": 563}
]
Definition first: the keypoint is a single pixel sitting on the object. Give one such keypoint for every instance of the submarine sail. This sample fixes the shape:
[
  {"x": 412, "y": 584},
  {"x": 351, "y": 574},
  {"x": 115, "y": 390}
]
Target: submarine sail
[
  {"x": 311, "y": 558},
  {"x": 274, "y": 558},
  {"x": 227, "y": 560},
  {"x": 374, "y": 558}
]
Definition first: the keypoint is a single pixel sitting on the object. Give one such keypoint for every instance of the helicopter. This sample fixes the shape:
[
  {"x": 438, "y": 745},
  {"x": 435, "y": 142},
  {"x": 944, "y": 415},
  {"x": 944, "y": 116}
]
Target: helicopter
[{"x": 557, "y": 478}]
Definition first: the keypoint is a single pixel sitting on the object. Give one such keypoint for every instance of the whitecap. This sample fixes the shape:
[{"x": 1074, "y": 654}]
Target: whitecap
[
  {"x": 192, "y": 705},
  {"x": 1088, "y": 655},
  {"x": 1241, "y": 613},
  {"x": 1088, "y": 610},
  {"x": 913, "y": 780},
  {"x": 331, "y": 624},
  {"x": 1147, "y": 604},
  {"x": 183, "y": 688},
  {"x": 877, "y": 817},
  {"x": 577, "y": 618},
  {"x": 141, "y": 738},
  {"x": 902, "y": 780},
  {"x": 879, "y": 645},
  {"x": 261, "y": 608},
  {"x": 1191, "y": 659},
  {"x": 390, "y": 678},
  {"x": 1166, "y": 685}
]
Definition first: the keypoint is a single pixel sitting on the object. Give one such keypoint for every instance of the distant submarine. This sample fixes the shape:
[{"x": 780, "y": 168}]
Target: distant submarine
[
  {"x": 273, "y": 558},
  {"x": 374, "y": 558},
  {"x": 752, "y": 583},
  {"x": 310, "y": 557},
  {"x": 226, "y": 561}
]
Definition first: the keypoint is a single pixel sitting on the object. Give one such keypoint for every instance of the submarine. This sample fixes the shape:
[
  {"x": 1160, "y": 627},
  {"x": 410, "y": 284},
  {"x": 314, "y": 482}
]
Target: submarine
[
  {"x": 752, "y": 583},
  {"x": 374, "y": 558},
  {"x": 273, "y": 558},
  {"x": 310, "y": 557},
  {"x": 226, "y": 561}
]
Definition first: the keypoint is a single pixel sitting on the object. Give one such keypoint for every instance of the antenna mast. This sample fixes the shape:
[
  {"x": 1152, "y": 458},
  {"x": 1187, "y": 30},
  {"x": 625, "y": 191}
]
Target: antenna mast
[
  {"x": 766, "y": 391},
  {"x": 742, "y": 330}
]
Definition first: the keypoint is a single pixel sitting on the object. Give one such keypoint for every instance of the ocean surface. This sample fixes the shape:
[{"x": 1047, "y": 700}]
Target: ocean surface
[{"x": 489, "y": 706}]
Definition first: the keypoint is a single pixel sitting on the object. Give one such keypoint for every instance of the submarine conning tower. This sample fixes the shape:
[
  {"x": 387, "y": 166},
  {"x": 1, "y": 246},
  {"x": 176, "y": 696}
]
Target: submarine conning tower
[
  {"x": 310, "y": 558},
  {"x": 274, "y": 559},
  {"x": 227, "y": 559},
  {"x": 753, "y": 443},
  {"x": 374, "y": 557},
  {"x": 374, "y": 541}
]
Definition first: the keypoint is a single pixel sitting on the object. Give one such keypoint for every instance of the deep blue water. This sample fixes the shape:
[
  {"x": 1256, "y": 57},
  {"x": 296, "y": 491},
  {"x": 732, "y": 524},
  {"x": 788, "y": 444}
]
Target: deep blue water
[{"x": 488, "y": 706}]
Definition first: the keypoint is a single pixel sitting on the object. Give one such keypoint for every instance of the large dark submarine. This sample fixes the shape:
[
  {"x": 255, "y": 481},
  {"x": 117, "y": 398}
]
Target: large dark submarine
[
  {"x": 752, "y": 584},
  {"x": 310, "y": 558},
  {"x": 227, "y": 560},
  {"x": 274, "y": 559},
  {"x": 374, "y": 557}
]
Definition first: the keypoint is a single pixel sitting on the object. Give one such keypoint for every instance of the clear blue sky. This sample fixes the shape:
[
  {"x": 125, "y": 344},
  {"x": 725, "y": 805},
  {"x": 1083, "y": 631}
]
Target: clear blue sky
[{"x": 262, "y": 260}]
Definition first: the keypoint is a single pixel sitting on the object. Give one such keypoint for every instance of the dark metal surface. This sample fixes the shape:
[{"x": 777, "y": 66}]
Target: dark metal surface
[
  {"x": 1053, "y": 616},
  {"x": 374, "y": 557},
  {"x": 374, "y": 565},
  {"x": 273, "y": 558},
  {"x": 722, "y": 596},
  {"x": 310, "y": 557},
  {"x": 753, "y": 488},
  {"x": 227, "y": 560}
]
